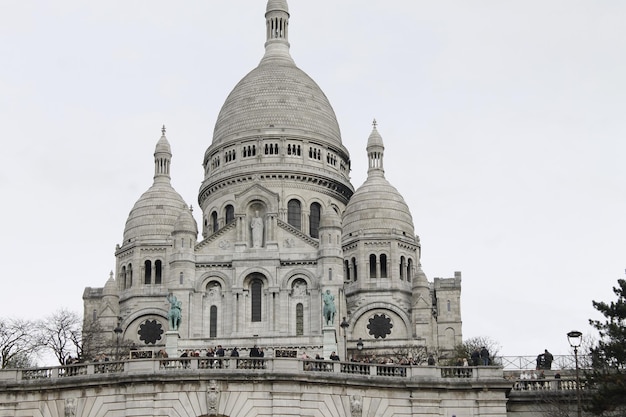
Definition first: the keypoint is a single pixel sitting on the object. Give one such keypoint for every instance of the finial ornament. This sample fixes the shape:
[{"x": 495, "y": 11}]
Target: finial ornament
[
  {"x": 374, "y": 123},
  {"x": 163, "y": 130}
]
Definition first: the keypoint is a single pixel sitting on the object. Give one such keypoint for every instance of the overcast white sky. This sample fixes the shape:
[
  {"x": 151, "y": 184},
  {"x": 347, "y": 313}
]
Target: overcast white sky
[{"x": 504, "y": 126}]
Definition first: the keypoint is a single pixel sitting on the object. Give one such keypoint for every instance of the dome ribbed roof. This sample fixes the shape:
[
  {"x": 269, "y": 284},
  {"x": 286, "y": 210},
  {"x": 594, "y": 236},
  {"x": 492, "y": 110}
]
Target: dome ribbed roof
[
  {"x": 155, "y": 213},
  {"x": 276, "y": 94},
  {"x": 279, "y": 95},
  {"x": 377, "y": 207}
]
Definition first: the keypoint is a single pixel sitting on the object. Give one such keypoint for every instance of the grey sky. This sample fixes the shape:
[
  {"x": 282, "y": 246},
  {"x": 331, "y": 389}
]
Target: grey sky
[{"x": 503, "y": 123}]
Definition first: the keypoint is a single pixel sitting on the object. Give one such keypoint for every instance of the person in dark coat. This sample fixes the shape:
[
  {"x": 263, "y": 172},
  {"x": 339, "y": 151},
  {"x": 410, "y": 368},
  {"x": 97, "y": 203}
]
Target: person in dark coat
[
  {"x": 484, "y": 356},
  {"x": 475, "y": 357}
]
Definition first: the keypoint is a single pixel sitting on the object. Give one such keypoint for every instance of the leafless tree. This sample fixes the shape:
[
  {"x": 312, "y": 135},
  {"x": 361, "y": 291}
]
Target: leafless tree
[
  {"x": 93, "y": 339},
  {"x": 61, "y": 332},
  {"x": 17, "y": 342},
  {"x": 419, "y": 354},
  {"x": 465, "y": 349}
]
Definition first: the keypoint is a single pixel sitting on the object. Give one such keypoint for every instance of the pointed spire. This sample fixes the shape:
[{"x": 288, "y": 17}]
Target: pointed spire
[
  {"x": 277, "y": 31},
  {"x": 375, "y": 152},
  {"x": 162, "y": 158}
]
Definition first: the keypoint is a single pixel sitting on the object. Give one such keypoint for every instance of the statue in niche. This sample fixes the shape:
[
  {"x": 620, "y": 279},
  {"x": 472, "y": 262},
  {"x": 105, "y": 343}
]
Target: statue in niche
[
  {"x": 257, "y": 230},
  {"x": 299, "y": 288},
  {"x": 329, "y": 308},
  {"x": 174, "y": 316},
  {"x": 214, "y": 290}
]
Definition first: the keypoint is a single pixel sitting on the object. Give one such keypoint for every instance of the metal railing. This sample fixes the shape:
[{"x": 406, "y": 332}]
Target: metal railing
[{"x": 530, "y": 362}]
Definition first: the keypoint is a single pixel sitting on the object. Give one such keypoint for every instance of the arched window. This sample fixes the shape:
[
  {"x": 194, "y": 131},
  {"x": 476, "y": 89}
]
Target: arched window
[
  {"x": 372, "y": 266},
  {"x": 294, "y": 214},
  {"x": 356, "y": 276},
  {"x": 409, "y": 268},
  {"x": 346, "y": 270},
  {"x": 147, "y": 272},
  {"x": 402, "y": 267},
  {"x": 448, "y": 305},
  {"x": 383, "y": 266},
  {"x": 213, "y": 322},
  {"x": 157, "y": 272},
  {"x": 214, "y": 221},
  {"x": 230, "y": 214},
  {"x": 256, "y": 289},
  {"x": 124, "y": 277},
  {"x": 129, "y": 275},
  {"x": 314, "y": 220},
  {"x": 181, "y": 278},
  {"x": 299, "y": 319}
]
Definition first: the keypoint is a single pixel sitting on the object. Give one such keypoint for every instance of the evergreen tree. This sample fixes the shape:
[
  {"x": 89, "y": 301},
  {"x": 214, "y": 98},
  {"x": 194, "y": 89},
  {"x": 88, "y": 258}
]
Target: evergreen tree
[{"x": 607, "y": 378}]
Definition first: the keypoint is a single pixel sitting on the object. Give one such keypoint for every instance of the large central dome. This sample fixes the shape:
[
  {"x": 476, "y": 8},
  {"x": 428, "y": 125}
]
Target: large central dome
[{"x": 277, "y": 94}]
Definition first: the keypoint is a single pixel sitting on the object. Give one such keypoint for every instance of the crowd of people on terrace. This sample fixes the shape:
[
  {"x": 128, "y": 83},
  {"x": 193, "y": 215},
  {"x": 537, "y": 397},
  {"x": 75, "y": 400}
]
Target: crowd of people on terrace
[{"x": 479, "y": 357}]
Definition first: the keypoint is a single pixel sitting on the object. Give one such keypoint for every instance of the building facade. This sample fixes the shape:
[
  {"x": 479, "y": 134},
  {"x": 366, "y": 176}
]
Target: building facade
[{"x": 288, "y": 255}]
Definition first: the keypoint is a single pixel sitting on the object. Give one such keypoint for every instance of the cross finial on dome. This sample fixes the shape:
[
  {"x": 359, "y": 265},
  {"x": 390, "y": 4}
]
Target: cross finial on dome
[
  {"x": 374, "y": 123},
  {"x": 163, "y": 130}
]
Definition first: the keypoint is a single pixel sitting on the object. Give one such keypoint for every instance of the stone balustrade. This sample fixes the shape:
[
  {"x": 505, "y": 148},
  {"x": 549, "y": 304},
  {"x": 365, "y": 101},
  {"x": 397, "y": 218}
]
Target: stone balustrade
[{"x": 269, "y": 365}]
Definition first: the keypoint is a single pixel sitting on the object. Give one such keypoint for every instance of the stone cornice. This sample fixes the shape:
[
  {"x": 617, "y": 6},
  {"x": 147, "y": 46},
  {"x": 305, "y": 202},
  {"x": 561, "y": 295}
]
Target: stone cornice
[{"x": 317, "y": 182}]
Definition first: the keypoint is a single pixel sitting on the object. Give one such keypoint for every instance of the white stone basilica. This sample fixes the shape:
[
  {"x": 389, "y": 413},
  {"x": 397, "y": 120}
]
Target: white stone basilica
[{"x": 283, "y": 232}]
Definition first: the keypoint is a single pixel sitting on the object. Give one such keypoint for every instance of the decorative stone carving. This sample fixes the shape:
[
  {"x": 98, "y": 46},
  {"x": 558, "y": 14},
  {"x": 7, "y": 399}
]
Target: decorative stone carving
[
  {"x": 356, "y": 406},
  {"x": 257, "y": 230},
  {"x": 224, "y": 244},
  {"x": 70, "y": 407},
  {"x": 212, "y": 398}
]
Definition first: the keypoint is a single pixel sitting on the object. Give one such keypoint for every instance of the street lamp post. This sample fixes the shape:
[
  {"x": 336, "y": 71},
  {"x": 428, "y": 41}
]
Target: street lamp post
[
  {"x": 118, "y": 331},
  {"x": 344, "y": 325},
  {"x": 575, "y": 338}
]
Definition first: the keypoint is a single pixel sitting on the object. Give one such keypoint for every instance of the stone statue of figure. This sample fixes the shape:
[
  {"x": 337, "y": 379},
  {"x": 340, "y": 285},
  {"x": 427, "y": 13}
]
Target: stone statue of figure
[
  {"x": 174, "y": 316},
  {"x": 257, "y": 230},
  {"x": 356, "y": 406},
  {"x": 329, "y": 308}
]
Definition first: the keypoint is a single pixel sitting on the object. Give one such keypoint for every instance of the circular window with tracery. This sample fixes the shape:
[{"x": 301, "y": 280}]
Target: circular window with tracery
[
  {"x": 380, "y": 326},
  {"x": 150, "y": 331}
]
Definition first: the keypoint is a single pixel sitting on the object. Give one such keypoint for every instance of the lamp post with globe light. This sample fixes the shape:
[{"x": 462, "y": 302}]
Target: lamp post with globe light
[
  {"x": 575, "y": 338},
  {"x": 344, "y": 325},
  {"x": 118, "y": 331}
]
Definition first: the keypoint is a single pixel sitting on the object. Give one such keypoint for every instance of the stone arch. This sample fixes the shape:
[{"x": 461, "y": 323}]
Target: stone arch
[
  {"x": 245, "y": 277},
  {"x": 218, "y": 276},
  {"x": 287, "y": 281}
]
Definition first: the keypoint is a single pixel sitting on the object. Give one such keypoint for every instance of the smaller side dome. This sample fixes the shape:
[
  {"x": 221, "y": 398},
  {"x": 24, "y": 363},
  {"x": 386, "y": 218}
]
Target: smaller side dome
[
  {"x": 186, "y": 223},
  {"x": 330, "y": 219},
  {"x": 377, "y": 208},
  {"x": 153, "y": 216}
]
